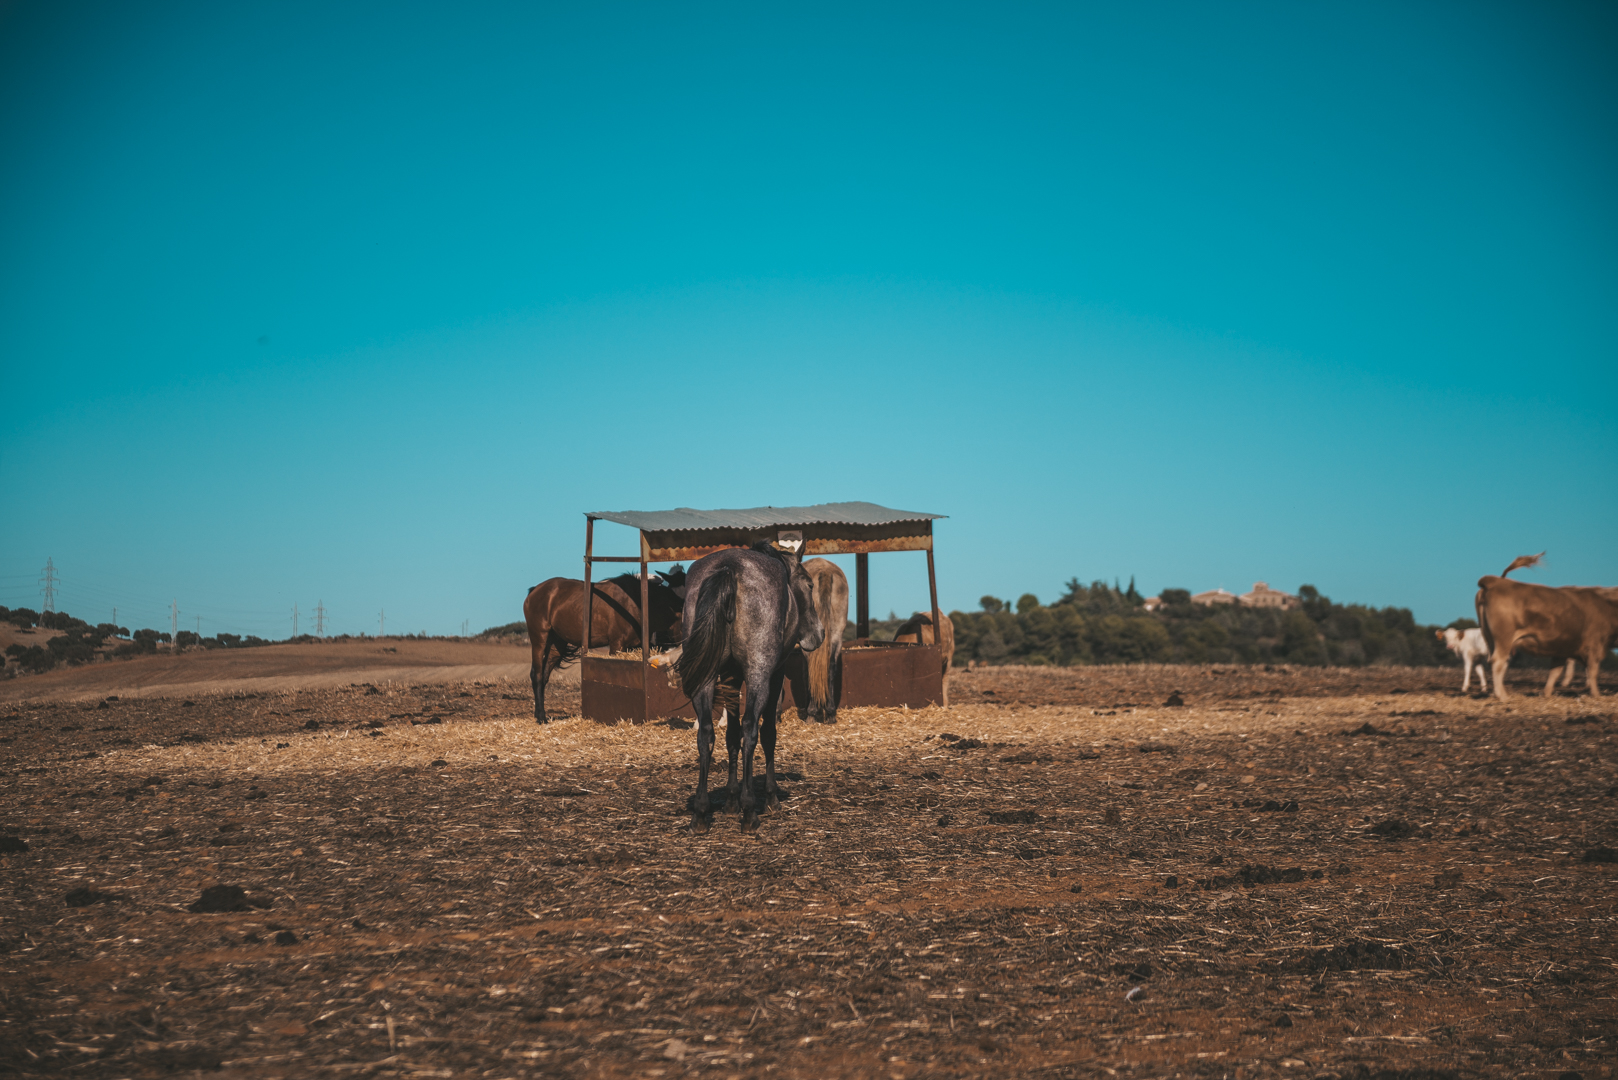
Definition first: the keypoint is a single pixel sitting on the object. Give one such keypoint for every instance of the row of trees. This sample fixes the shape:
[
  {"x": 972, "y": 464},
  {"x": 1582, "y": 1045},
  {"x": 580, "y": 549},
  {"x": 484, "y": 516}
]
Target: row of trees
[
  {"x": 79, "y": 641},
  {"x": 1106, "y": 624}
]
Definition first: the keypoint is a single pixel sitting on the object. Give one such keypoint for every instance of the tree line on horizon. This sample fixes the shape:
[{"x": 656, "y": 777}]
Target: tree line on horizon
[
  {"x": 1089, "y": 624},
  {"x": 1105, "y": 624}
]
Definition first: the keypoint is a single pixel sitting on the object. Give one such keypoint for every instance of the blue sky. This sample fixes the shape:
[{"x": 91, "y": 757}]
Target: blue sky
[{"x": 367, "y": 304}]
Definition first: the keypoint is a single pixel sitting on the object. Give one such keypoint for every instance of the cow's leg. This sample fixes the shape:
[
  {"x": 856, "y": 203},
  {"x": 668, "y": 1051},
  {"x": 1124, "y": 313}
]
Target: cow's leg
[
  {"x": 1567, "y": 674},
  {"x": 1466, "y": 671},
  {"x": 1592, "y": 669},
  {"x": 766, "y": 736},
  {"x": 701, "y": 809},
  {"x": 1502, "y": 660},
  {"x": 1482, "y": 663}
]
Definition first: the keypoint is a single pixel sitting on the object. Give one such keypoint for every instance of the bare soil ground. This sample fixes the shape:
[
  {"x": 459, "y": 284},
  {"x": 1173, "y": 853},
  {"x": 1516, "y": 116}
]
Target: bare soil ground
[
  {"x": 1296, "y": 873},
  {"x": 309, "y": 666}
]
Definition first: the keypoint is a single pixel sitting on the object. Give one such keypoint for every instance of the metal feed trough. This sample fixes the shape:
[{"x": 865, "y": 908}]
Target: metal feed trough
[{"x": 874, "y": 672}]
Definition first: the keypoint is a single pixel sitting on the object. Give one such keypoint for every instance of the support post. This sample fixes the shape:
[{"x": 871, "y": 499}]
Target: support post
[
  {"x": 932, "y": 592},
  {"x": 862, "y": 595},
  {"x": 645, "y": 604},
  {"x": 589, "y": 598}
]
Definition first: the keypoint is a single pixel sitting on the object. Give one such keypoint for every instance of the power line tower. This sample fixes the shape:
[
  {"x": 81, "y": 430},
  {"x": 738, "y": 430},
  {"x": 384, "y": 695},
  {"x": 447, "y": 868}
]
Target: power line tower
[
  {"x": 294, "y": 620},
  {"x": 48, "y": 582},
  {"x": 466, "y": 625},
  {"x": 320, "y": 618},
  {"x": 174, "y": 616},
  {"x": 382, "y": 623}
]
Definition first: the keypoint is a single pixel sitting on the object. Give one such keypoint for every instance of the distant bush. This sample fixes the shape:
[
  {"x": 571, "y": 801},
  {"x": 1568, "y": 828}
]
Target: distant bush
[
  {"x": 510, "y": 628},
  {"x": 23, "y": 617}
]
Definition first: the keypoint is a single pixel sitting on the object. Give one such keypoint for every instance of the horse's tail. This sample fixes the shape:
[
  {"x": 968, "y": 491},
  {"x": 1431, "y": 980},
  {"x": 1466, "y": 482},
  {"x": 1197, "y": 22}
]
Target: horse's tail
[
  {"x": 706, "y": 637},
  {"x": 820, "y": 660}
]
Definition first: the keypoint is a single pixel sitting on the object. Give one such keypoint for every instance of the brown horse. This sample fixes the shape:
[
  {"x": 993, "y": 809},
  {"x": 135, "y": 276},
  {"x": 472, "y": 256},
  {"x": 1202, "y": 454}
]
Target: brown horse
[
  {"x": 554, "y": 611},
  {"x": 918, "y": 630},
  {"x": 825, "y": 664}
]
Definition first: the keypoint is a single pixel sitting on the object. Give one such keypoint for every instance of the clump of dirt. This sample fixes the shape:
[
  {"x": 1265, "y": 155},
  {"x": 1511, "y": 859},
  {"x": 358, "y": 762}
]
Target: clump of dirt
[
  {"x": 1394, "y": 829},
  {"x": 224, "y": 898},
  {"x": 1354, "y": 955},
  {"x": 1012, "y": 817}
]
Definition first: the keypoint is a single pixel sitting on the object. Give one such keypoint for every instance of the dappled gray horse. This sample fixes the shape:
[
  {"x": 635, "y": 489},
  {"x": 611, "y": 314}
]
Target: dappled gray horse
[{"x": 745, "y": 610}]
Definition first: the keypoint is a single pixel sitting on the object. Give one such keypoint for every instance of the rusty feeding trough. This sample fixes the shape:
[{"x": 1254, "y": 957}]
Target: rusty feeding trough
[{"x": 874, "y": 672}]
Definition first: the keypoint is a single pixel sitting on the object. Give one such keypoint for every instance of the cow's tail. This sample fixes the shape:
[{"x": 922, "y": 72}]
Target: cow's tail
[
  {"x": 1523, "y": 562},
  {"x": 1481, "y": 603},
  {"x": 709, "y": 632}
]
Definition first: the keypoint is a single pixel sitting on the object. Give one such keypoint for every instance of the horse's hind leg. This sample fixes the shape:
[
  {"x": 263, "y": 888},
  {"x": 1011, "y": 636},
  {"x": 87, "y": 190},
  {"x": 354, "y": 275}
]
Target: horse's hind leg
[
  {"x": 733, "y": 743},
  {"x": 766, "y": 738},
  {"x": 757, "y": 697},
  {"x": 701, "y": 809},
  {"x": 834, "y": 683},
  {"x": 539, "y": 675}
]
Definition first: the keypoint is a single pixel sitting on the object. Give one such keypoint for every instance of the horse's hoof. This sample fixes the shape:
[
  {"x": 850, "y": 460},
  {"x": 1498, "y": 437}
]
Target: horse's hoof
[
  {"x": 750, "y": 821},
  {"x": 700, "y": 823},
  {"x": 542, "y": 719},
  {"x": 772, "y": 801}
]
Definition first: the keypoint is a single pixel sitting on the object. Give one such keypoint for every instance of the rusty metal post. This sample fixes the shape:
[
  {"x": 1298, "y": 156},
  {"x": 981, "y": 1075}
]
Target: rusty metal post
[
  {"x": 932, "y": 590},
  {"x": 645, "y": 604},
  {"x": 862, "y": 595},
  {"x": 589, "y": 598}
]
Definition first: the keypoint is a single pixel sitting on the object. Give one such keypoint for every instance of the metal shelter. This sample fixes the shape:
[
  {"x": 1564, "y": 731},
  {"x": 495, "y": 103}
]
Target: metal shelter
[{"x": 616, "y": 688}]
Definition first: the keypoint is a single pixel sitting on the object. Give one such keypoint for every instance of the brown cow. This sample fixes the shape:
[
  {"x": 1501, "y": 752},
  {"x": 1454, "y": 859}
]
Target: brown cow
[
  {"x": 1561, "y": 623},
  {"x": 554, "y": 611},
  {"x": 918, "y": 629}
]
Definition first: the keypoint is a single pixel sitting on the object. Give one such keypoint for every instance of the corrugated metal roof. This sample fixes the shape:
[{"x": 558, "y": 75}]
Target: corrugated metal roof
[{"x": 761, "y": 517}]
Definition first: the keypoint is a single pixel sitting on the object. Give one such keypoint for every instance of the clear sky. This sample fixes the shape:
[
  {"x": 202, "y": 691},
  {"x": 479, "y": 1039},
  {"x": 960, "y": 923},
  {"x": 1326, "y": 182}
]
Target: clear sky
[{"x": 367, "y": 304}]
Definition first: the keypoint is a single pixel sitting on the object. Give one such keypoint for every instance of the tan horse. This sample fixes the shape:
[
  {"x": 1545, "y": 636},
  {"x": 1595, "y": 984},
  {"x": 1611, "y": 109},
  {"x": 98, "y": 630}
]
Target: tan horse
[
  {"x": 825, "y": 664},
  {"x": 919, "y": 630}
]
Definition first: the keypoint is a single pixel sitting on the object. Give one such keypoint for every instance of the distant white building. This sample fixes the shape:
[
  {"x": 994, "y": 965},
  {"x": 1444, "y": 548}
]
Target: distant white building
[
  {"x": 1264, "y": 596},
  {"x": 1215, "y": 596},
  {"x": 1153, "y": 603}
]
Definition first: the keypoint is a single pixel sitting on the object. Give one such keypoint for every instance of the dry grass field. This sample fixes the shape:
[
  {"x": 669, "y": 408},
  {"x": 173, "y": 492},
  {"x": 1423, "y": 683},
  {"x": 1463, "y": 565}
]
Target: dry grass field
[{"x": 1296, "y": 873}]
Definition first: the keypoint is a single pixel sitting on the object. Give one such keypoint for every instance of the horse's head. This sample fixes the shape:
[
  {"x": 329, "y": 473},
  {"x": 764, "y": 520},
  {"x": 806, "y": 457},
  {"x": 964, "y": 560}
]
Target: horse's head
[
  {"x": 674, "y": 580},
  {"x": 811, "y": 632}
]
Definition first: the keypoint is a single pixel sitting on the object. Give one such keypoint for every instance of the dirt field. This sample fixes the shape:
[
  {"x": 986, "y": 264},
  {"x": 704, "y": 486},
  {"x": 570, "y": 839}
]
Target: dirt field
[
  {"x": 1296, "y": 873},
  {"x": 269, "y": 668}
]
